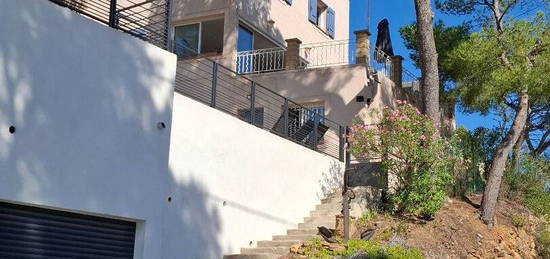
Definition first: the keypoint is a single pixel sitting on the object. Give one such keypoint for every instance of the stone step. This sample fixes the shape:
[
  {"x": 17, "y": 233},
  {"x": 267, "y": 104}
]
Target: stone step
[
  {"x": 252, "y": 256},
  {"x": 266, "y": 250},
  {"x": 277, "y": 243},
  {"x": 328, "y": 224},
  {"x": 300, "y": 238},
  {"x": 303, "y": 231}
]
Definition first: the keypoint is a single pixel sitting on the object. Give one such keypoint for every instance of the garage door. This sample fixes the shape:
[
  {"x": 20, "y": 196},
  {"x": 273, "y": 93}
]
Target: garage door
[{"x": 30, "y": 232}]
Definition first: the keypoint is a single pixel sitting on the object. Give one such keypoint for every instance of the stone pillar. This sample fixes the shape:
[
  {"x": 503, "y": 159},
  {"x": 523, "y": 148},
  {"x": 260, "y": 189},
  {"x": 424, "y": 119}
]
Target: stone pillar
[
  {"x": 230, "y": 35},
  {"x": 397, "y": 70},
  {"x": 292, "y": 55},
  {"x": 362, "y": 47}
]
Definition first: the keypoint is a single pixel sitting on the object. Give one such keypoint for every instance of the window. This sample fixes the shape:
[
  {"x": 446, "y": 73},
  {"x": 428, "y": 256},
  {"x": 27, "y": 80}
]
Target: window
[
  {"x": 199, "y": 38},
  {"x": 323, "y": 16},
  {"x": 187, "y": 40},
  {"x": 330, "y": 22}
]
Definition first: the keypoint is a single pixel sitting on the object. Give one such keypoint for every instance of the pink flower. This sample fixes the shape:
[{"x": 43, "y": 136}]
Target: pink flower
[
  {"x": 417, "y": 111},
  {"x": 422, "y": 137},
  {"x": 398, "y": 102}
]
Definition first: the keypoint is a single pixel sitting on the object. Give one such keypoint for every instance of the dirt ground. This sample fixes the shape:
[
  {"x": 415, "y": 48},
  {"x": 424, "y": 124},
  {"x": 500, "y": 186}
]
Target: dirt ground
[{"x": 457, "y": 232}]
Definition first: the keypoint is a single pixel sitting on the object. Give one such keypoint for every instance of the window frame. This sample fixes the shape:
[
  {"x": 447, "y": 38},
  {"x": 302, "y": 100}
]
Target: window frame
[{"x": 199, "y": 41}]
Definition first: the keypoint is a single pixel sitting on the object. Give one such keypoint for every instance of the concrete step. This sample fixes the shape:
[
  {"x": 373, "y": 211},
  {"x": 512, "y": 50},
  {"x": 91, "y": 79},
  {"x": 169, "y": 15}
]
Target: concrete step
[
  {"x": 277, "y": 243},
  {"x": 300, "y": 238},
  {"x": 323, "y": 213},
  {"x": 328, "y": 224},
  {"x": 303, "y": 231},
  {"x": 328, "y": 207},
  {"x": 252, "y": 256},
  {"x": 319, "y": 219},
  {"x": 266, "y": 250}
]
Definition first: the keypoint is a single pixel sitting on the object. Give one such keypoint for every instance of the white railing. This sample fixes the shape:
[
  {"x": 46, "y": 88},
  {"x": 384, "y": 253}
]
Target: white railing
[
  {"x": 381, "y": 61},
  {"x": 261, "y": 60},
  {"x": 327, "y": 54}
]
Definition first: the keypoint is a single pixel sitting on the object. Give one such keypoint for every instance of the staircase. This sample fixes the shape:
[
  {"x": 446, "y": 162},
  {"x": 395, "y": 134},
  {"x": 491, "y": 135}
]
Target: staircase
[{"x": 279, "y": 246}]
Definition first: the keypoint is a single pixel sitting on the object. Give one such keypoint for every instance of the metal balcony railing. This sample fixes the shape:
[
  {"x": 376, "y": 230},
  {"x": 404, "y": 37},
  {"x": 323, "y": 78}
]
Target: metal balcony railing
[
  {"x": 329, "y": 53},
  {"x": 208, "y": 82},
  {"x": 261, "y": 60},
  {"x": 148, "y": 20},
  {"x": 381, "y": 62},
  {"x": 411, "y": 80}
]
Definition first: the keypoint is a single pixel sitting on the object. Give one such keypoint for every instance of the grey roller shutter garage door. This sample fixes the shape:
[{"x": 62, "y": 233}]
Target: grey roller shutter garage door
[{"x": 31, "y": 232}]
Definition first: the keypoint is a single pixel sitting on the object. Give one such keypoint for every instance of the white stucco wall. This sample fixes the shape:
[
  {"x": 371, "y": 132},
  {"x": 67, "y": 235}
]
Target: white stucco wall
[
  {"x": 85, "y": 100},
  {"x": 268, "y": 184}
]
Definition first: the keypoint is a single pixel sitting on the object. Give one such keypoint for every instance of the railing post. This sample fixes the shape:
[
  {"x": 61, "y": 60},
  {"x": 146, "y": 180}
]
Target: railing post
[
  {"x": 315, "y": 130},
  {"x": 214, "y": 84},
  {"x": 285, "y": 119},
  {"x": 168, "y": 28},
  {"x": 252, "y": 101},
  {"x": 362, "y": 47},
  {"x": 345, "y": 202},
  {"x": 292, "y": 56},
  {"x": 342, "y": 147},
  {"x": 397, "y": 70},
  {"x": 112, "y": 14}
]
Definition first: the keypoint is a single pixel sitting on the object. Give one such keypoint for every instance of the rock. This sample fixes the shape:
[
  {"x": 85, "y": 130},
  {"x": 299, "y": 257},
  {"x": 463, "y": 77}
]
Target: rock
[
  {"x": 360, "y": 255},
  {"x": 297, "y": 249},
  {"x": 333, "y": 246},
  {"x": 339, "y": 229},
  {"x": 366, "y": 198},
  {"x": 367, "y": 234}
]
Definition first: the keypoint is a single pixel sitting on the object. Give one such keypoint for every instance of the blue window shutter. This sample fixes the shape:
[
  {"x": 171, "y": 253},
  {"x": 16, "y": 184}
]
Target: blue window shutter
[
  {"x": 288, "y": 2},
  {"x": 331, "y": 20},
  {"x": 313, "y": 11}
]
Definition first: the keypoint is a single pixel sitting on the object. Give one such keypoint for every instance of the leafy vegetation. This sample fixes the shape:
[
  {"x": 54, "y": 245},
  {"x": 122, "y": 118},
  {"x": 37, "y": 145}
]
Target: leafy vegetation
[
  {"x": 315, "y": 249},
  {"x": 446, "y": 40},
  {"x": 529, "y": 184},
  {"x": 543, "y": 241},
  {"x": 366, "y": 218},
  {"x": 413, "y": 153},
  {"x": 518, "y": 221}
]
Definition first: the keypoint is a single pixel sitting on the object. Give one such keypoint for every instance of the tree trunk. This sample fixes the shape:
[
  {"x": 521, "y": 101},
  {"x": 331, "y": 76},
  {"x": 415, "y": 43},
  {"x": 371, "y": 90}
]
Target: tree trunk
[
  {"x": 492, "y": 189},
  {"x": 516, "y": 154},
  {"x": 428, "y": 60}
]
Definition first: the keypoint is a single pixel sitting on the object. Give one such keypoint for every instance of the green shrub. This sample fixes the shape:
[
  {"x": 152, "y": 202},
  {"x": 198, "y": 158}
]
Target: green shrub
[
  {"x": 518, "y": 221},
  {"x": 366, "y": 218},
  {"x": 529, "y": 184},
  {"x": 410, "y": 149},
  {"x": 314, "y": 249},
  {"x": 543, "y": 241}
]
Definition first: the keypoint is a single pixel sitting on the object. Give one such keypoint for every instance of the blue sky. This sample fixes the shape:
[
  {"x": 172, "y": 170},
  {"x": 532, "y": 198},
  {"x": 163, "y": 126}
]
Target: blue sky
[{"x": 400, "y": 13}]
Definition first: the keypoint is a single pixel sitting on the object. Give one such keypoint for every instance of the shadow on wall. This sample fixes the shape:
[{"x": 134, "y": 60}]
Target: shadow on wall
[
  {"x": 86, "y": 111},
  {"x": 193, "y": 223},
  {"x": 331, "y": 180},
  {"x": 257, "y": 12},
  {"x": 328, "y": 86}
]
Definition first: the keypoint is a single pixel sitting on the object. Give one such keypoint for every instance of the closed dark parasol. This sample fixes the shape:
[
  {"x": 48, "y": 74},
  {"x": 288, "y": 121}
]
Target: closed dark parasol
[{"x": 383, "y": 42}]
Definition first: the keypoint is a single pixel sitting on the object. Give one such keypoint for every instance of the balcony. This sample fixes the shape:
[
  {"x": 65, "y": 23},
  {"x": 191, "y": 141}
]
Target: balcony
[
  {"x": 261, "y": 60},
  {"x": 144, "y": 19}
]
